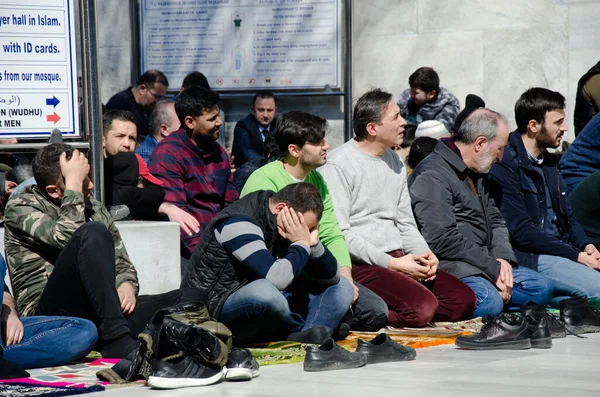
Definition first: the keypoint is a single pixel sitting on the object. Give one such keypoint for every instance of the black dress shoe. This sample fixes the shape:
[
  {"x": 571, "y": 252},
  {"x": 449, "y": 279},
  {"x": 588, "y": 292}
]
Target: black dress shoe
[
  {"x": 330, "y": 356},
  {"x": 579, "y": 316},
  {"x": 538, "y": 326},
  {"x": 507, "y": 331},
  {"x": 314, "y": 335},
  {"x": 383, "y": 349}
]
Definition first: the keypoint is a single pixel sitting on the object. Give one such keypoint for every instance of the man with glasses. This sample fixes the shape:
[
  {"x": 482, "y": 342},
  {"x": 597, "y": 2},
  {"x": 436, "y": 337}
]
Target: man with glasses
[{"x": 141, "y": 99}]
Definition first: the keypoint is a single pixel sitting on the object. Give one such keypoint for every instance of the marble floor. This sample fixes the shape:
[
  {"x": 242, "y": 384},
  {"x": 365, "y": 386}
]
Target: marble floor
[{"x": 570, "y": 368}]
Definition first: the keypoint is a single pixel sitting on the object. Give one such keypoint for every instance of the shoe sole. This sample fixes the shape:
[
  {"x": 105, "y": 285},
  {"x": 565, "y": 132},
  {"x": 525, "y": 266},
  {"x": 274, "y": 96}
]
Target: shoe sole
[
  {"x": 237, "y": 374},
  {"x": 177, "y": 383},
  {"x": 583, "y": 329},
  {"x": 509, "y": 345},
  {"x": 316, "y": 366},
  {"x": 388, "y": 358},
  {"x": 542, "y": 343}
]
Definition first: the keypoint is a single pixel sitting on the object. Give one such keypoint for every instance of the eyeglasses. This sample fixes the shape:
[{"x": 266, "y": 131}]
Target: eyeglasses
[{"x": 156, "y": 96}]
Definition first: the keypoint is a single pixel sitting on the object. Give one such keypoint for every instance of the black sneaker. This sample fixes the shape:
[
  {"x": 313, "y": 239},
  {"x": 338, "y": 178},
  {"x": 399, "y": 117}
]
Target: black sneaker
[
  {"x": 330, "y": 356},
  {"x": 507, "y": 331},
  {"x": 579, "y": 316},
  {"x": 383, "y": 349},
  {"x": 314, "y": 335},
  {"x": 538, "y": 328},
  {"x": 184, "y": 371},
  {"x": 241, "y": 365}
]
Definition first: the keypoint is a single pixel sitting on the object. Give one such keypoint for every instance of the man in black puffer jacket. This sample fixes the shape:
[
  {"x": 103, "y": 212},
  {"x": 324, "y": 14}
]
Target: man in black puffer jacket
[{"x": 264, "y": 272}]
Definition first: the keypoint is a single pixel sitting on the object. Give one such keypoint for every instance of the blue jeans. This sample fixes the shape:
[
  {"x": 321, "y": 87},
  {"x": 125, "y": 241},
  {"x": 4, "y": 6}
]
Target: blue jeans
[
  {"x": 52, "y": 341},
  {"x": 259, "y": 312},
  {"x": 49, "y": 341},
  {"x": 570, "y": 279},
  {"x": 528, "y": 285}
]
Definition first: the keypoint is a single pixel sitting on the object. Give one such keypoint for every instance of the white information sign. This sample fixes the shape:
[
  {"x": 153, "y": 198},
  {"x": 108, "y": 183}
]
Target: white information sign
[
  {"x": 244, "y": 44},
  {"x": 38, "y": 79}
]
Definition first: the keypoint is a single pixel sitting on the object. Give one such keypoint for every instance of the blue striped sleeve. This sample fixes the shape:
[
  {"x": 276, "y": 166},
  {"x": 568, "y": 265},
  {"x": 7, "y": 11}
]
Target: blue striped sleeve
[{"x": 243, "y": 238}]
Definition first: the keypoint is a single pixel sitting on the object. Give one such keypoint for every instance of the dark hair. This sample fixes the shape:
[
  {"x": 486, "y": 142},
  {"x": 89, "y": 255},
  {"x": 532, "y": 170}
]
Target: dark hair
[
  {"x": 195, "y": 78},
  {"x": 193, "y": 102},
  {"x": 151, "y": 77},
  {"x": 262, "y": 94},
  {"x": 409, "y": 135},
  {"x": 46, "y": 164},
  {"x": 20, "y": 173},
  {"x": 533, "y": 105},
  {"x": 297, "y": 128},
  {"x": 425, "y": 79},
  {"x": 481, "y": 122},
  {"x": 419, "y": 149},
  {"x": 271, "y": 148},
  {"x": 160, "y": 115},
  {"x": 369, "y": 108},
  {"x": 115, "y": 114},
  {"x": 302, "y": 197}
]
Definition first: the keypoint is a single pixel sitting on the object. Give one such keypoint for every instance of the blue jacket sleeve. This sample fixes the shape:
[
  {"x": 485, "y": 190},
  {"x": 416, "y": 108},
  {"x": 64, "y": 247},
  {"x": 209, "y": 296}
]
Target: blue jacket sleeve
[{"x": 524, "y": 234}]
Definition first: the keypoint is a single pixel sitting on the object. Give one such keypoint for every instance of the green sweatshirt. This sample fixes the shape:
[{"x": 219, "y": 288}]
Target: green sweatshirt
[{"x": 274, "y": 177}]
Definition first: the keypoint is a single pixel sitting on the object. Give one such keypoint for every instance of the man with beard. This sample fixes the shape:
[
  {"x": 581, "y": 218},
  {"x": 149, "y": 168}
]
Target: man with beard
[
  {"x": 66, "y": 256},
  {"x": 194, "y": 168},
  {"x": 264, "y": 272},
  {"x": 461, "y": 223},
  {"x": 301, "y": 140},
  {"x": 531, "y": 195},
  {"x": 140, "y": 99}
]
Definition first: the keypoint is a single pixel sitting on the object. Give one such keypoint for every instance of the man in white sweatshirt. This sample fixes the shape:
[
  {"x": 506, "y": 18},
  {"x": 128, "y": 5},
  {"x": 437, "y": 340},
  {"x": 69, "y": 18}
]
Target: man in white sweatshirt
[{"x": 367, "y": 182}]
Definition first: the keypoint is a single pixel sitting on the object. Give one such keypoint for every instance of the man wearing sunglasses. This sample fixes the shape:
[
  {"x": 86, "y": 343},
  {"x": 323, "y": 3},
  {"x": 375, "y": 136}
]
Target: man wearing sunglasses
[{"x": 141, "y": 99}]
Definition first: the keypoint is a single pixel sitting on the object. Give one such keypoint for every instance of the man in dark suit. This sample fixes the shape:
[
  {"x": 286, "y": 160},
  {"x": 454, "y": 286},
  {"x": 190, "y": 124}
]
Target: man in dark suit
[{"x": 252, "y": 131}]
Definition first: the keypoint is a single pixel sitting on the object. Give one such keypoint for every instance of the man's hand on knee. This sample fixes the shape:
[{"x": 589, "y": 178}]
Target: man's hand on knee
[{"x": 127, "y": 298}]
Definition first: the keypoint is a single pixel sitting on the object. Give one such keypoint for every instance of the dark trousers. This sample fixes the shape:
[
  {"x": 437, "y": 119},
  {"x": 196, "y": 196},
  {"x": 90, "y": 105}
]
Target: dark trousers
[
  {"x": 83, "y": 285},
  {"x": 414, "y": 304}
]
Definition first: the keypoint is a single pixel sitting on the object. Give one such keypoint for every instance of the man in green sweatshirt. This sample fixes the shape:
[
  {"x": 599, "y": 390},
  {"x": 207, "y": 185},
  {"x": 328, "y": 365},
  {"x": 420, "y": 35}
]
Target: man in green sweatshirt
[{"x": 301, "y": 139}]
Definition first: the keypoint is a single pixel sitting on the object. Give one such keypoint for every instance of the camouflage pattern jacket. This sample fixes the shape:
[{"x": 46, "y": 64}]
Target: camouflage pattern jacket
[{"x": 36, "y": 230}]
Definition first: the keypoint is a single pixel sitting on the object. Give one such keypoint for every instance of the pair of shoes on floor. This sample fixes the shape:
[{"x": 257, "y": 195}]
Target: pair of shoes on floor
[
  {"x": 534, "y": 328},
  {"x": 188, "y": 371},
  {"x": 330, "y": 356},
  {"x": 531, "y": 329}
]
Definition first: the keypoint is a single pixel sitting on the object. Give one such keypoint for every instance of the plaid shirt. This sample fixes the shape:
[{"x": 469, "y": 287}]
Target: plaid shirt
[{"x": 197, "y": 181}]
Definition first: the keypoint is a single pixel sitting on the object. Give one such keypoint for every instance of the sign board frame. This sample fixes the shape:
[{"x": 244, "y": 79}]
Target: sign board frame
[{"x": 332, "y": 87}]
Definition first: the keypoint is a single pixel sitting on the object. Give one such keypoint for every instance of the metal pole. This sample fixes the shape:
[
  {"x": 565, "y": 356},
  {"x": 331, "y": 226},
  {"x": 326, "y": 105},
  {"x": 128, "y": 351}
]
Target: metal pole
[
  {"x": 93, "y": 107},
  {"x": 348, "y": 72}
]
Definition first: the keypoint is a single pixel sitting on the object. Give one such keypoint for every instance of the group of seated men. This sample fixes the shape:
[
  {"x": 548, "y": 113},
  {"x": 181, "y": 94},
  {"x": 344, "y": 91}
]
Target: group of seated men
[{"x": 314, "y": 244}]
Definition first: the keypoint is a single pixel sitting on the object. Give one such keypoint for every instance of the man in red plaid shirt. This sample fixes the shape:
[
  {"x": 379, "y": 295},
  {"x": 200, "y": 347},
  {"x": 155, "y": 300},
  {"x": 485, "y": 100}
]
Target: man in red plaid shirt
[{"x": 194, "y": 168}]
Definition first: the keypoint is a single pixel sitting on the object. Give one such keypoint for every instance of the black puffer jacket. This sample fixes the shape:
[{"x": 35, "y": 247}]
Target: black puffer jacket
[{"x": 211, "y": 267}]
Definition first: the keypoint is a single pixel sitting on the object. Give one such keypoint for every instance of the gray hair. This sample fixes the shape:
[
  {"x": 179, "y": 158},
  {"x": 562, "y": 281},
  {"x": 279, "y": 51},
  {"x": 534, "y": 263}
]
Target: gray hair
[
  {"x": 160, "y": 115},
  {"x": 482, "y": 122}
]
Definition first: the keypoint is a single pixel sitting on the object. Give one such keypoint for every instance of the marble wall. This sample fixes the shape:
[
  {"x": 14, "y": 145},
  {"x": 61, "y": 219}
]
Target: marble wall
[{"x": 495, "y": 49}]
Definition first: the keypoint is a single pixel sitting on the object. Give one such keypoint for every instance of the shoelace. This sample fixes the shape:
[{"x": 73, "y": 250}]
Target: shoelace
[{"x": 552, "y": 319}]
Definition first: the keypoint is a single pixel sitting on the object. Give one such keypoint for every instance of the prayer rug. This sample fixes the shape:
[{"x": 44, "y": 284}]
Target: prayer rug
[
  {"x": 77, "y": 375},
  {"x": 29, "y": 390}
]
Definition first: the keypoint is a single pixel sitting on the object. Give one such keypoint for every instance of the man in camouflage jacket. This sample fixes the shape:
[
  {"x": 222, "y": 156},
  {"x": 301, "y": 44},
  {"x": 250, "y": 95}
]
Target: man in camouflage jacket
[{"x": 66, "y": 257}]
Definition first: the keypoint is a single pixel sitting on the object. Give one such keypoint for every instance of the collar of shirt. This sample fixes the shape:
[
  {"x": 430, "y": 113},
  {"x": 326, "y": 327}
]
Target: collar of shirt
[
  {"x": 187, "y": 141},
  {"x": 535, "y": 160}
]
